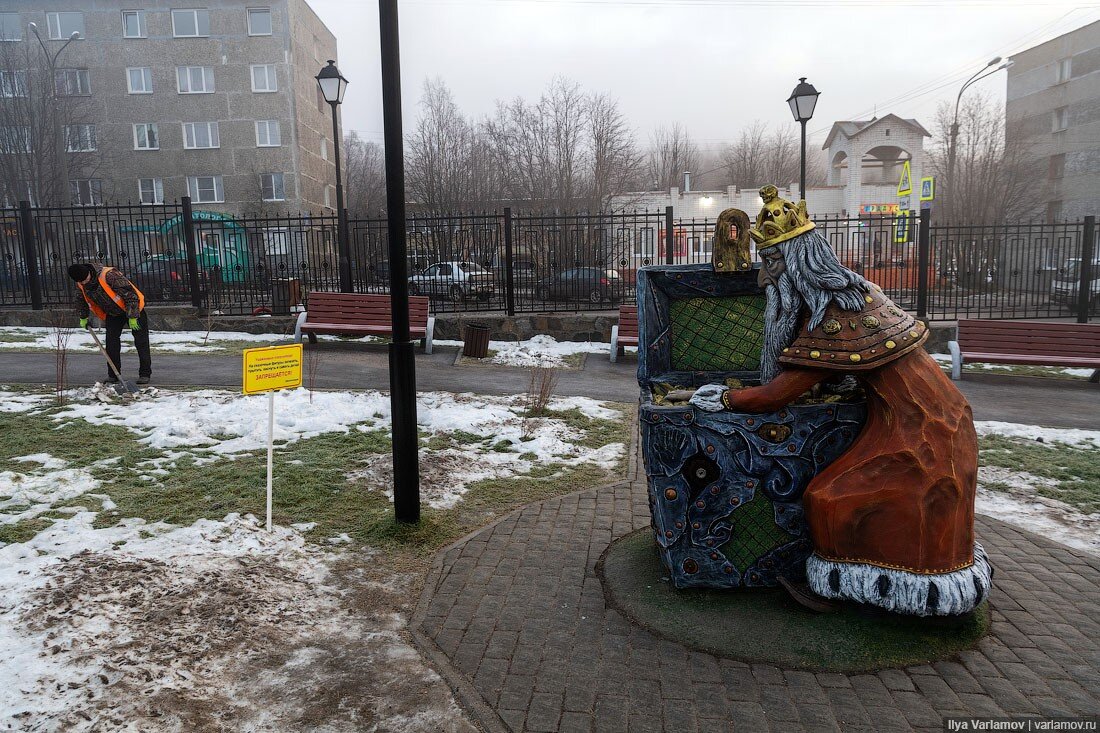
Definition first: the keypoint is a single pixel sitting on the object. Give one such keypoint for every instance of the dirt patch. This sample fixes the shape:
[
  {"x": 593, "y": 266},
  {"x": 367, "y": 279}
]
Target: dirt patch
[{"x": 235, "y": 644}]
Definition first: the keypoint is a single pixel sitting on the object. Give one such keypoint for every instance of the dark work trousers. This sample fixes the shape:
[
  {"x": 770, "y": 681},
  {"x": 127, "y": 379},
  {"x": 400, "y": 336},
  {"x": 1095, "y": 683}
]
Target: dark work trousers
[{"x": 115, "y": 324}]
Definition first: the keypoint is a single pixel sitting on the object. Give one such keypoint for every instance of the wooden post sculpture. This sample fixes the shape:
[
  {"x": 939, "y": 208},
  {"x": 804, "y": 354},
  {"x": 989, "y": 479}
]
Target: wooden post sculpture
[{"x": 892, "y": 519}]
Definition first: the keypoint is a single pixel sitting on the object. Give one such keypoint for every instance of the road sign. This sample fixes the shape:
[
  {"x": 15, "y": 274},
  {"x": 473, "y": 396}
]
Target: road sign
[
  {"x": 905, "y": 185},
  {"x": 901, "y": 227},
  {"x": 927, "y": 188},
  {"x": 903, "y": 202},
  {"x": 271, "y": 368}
]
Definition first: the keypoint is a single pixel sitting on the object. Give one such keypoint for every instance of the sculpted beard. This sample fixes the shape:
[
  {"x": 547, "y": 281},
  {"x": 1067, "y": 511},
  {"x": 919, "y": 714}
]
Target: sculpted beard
[{"x": 781, "y": 315}]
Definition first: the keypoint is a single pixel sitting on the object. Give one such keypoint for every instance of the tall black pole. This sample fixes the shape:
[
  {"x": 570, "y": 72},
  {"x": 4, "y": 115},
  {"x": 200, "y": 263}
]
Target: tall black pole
[
  {"x": 406, "y": 467},
  {"x": 802, "y": 172},
  {"x": 341, "y": 218}
]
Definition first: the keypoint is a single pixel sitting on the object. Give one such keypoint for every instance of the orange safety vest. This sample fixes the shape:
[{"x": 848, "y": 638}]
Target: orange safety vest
[{"x": 110, "y": 294}]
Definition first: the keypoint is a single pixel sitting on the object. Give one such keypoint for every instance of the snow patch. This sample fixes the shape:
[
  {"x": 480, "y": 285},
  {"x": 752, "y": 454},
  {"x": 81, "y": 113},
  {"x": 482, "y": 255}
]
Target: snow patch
[
  {"x": 1069, "y": 436},
  {"x": 21, "y": 402}
]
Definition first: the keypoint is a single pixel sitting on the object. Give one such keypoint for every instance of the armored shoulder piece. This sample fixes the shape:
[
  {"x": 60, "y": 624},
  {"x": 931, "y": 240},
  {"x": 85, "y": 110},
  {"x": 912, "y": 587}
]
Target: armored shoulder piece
[{"x": 847, "y": 340}]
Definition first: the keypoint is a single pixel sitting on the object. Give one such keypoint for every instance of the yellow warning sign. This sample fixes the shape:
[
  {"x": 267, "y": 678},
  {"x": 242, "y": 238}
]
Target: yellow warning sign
[
  {"x": 901, "y": 227},
  {"x": 271, "y": 368},
  {"x": 927, "y": 188},
  {"x": 905, "y": 185}
]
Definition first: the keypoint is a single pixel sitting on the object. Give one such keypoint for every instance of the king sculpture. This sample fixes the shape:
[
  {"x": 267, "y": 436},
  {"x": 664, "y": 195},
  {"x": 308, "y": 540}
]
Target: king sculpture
[{"x": 891, "y": 520}]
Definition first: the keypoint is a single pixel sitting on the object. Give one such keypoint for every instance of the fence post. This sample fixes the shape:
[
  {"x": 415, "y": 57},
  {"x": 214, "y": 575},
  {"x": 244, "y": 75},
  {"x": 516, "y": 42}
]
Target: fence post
[
  {"x": 192, "y": 253},
  {"x": 924, "y": 257},
  {"x": 670, "y": 240},
  {"x": 30, "y": 253},
  {"x": 509, "y": 265},
  {"x": 1088, "y": 252}
]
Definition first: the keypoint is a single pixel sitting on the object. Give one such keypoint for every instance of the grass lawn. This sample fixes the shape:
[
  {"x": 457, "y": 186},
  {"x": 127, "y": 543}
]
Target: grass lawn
[
  {"x": 312, "y": 484},
  {"x": 1072, "y": 472}
]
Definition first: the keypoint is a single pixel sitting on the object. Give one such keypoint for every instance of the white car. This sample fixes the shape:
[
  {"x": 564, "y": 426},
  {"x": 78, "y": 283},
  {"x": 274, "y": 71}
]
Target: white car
[
  {"x": 454, "y": 280},
  {"x": 1066, "y": 285}
]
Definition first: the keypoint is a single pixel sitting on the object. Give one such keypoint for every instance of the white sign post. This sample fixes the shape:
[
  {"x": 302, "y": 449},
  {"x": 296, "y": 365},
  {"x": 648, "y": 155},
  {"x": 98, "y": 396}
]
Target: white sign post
[{"x": 268, "y": 370}]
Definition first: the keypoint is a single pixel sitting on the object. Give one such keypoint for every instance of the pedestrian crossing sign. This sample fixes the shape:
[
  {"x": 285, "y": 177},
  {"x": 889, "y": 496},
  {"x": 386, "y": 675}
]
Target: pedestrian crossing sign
[
  {"x": 901, "y": 227},
  {"x": 905, "y": 185},
  {"x": 927, "y": 188}
]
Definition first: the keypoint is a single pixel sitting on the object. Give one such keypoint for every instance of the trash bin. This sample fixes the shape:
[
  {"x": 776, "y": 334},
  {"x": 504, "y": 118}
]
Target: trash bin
[
  {"x": 475, "y": 341},
  {"x": 285, "y": 292}
]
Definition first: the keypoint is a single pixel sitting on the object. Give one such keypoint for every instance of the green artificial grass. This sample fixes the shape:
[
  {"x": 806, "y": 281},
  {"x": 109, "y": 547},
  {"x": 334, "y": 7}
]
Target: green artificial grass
[{"x": 765, "y": 625}]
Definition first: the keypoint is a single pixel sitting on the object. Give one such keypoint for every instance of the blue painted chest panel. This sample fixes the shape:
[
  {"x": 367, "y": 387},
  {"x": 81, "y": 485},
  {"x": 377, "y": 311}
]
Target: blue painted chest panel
[{"x": 725, "y": 488}]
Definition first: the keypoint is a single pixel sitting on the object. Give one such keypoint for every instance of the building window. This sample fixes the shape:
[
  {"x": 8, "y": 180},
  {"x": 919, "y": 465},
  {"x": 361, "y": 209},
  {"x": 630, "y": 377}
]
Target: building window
[
  {"x": 15, "y": 139},
  {"x": 63, "y": 25},
  {"x": 133, "y": 24},
  {"x": 13, "y": 84},
  {"x": 328, "y": 197},
  {"x": 86, "y": 191},
  {"x": 259, "y": 21},
  {"x": 206, "y": 189},
  {"x": 1054, "y": 211},
  {"x": 1060, "y": 119},
  {"x": 198, "y": 135},
  {"x": 151, "y": 190},
  {"x": 195, "y": 79},
  {"x": 11, "y": 29},
  {"x": 1063, "y": 71},
  {"x": 1057, "y": 166},
  {"x": 72, "y": 82},
  {"x": 145, "y": 136},
  {"x": 324, "y": 148},
  {"x": 267, "y": 134},
  {"x": 321, "y": 103},
  {"x": 263, "y": 78},
  {"x": 191, "y": 23},
  {"x": 80, "y": 138},
  {"x": 139, "y": 80},
  {"x": 272, "y": 185}
]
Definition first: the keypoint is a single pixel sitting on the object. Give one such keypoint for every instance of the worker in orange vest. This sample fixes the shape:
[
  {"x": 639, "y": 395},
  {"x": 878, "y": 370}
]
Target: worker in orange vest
[{"x": 117, "y": 302}]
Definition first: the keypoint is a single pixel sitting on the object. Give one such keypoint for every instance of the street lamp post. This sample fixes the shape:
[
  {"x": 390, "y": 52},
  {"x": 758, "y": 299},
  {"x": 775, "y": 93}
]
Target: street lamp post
[
  {"x": 952, "y": 146},
  {"x": 802, "y": 101},
  {"x": 333, "y": 85},
  {"x": 55, "y": 146}
]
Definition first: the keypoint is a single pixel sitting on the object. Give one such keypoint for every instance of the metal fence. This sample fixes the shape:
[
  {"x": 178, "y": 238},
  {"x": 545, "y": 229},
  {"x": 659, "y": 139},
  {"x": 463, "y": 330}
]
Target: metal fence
[{"x": 505, "y": 262}]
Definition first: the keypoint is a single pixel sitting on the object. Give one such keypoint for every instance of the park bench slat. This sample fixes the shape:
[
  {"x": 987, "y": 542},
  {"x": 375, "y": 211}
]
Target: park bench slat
[
  {"x": 626, "y": 332},
  {"x": 1025, "y": 342},
  {"x": 362, "y": 313}
]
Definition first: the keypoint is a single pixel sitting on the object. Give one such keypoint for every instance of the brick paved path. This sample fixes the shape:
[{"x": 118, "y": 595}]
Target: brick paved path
[{"x": 514, "y": 617}]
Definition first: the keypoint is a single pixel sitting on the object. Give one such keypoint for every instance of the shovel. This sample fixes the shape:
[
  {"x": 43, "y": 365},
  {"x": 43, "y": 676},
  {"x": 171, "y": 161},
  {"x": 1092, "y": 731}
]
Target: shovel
[{"x": 122, "y": 386}]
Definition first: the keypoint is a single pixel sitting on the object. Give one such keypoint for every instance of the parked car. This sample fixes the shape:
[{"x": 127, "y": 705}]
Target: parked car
[
  {"x": 593, "y": 284},
  {"x": 1066, "y": 285},
  {"x": 165, "y": 278},
  {"x": 454, "y": 280}
]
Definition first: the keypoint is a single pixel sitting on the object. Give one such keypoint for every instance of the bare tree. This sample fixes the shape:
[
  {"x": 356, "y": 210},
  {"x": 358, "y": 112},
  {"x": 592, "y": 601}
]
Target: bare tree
[
  {"x": 44, "y": 143},
  {"x": 671, "y": 153},
  {"x": 365, "y": 175},
  {"x": 441, "y": 152},
  {"x": 990, "y": 176},
  {"x": 759, "y": 157},
  {"x": 615, "y": 160}
]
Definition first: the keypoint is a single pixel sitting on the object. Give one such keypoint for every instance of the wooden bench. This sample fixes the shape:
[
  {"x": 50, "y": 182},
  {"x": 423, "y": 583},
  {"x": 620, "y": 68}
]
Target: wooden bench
[
  {"x": 626, "y": 332},
  {"x": 1026, "y": 342},
  {"x": 352, "y": 314}
]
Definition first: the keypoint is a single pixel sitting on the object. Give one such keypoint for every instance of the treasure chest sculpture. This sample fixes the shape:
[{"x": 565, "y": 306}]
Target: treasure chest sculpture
[{"x": 725, "y": 488}]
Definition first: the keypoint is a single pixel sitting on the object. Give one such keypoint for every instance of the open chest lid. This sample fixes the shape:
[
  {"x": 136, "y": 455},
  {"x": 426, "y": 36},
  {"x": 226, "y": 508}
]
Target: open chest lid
[{"x": 696, "y": 326}]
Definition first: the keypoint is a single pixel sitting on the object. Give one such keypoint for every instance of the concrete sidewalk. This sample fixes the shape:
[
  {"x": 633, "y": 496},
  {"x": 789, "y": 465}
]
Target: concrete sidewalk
[{"x": 1028, "y": 400}]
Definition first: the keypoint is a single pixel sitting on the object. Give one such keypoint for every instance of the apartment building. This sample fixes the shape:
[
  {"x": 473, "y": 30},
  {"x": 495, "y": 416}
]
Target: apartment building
[
  {"x": 212, "y": 98},
  {"x": 1053, "y": 109}
]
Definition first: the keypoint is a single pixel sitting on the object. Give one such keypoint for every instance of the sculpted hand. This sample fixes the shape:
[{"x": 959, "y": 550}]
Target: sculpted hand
[
  {"x": 84, "y": 323},
  {"x": 709, "y": 397},
  {"x": 134, "y": 325}
]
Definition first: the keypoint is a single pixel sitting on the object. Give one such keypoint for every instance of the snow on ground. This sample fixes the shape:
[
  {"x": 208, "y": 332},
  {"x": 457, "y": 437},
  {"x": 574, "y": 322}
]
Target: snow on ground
[
  {"x": 210, "y": 424},
  {"x": 194, "y": 342},
  {"x": 945, "y": 360},
  {"x": 1033, "y": 433},
  {"x": 1022, "y": 507},
  {"x": 21, "y": 402},
  {"x": 540, "y": 350},
  {"x": 157, "y": 628}
]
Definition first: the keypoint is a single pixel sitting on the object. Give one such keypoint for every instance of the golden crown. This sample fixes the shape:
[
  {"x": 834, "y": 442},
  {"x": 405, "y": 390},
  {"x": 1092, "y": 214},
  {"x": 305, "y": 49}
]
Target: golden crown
[{"x": 779, "y": 219}]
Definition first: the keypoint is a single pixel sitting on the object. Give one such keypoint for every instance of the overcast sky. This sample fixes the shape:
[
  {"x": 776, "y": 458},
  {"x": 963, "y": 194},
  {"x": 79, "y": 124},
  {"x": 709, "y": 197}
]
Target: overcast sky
[{"x": 712, "y": 65}]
